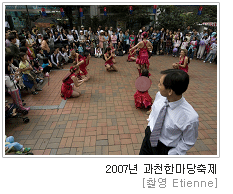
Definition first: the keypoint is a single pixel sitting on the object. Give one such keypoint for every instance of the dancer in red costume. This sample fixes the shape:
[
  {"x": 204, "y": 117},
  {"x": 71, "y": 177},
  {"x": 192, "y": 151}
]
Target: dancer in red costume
[
  {"x": 67, "y": 89},
  {"x": 143, "y": 58},
  {"x": 184, "y": 61},
  {"x": 142, "y": 98},
  {"x": 83, "y": 63},
  {"x": 131, "y": 54},
  {"x": 108, "y": 57}
]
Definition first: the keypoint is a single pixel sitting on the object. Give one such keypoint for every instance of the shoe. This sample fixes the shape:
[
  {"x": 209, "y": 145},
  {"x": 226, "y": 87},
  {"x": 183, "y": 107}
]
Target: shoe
[
  {"x": 41, "y": 81},
  {"x": 26, "y": 150},
  {"x": 34, "y": 93},
  {"x": 38, "y": 89},
  {"x": 210, "y": 62},
  {"x": 203, "y": 61},
  {"x": 46, "y": 74}
]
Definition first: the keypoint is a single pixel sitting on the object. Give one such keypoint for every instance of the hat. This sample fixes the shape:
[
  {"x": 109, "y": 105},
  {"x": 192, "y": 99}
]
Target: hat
[
  {"x": 101, "y": 31},
  {"x": 140, "y": 30},
  {"x": 82, "y": 26},
  {"x": 81, "y": 31},
  {"x": 142, "y": 83}
]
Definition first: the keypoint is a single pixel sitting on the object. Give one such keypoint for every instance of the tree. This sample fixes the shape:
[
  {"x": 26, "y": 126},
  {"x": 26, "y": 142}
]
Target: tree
[{"x": 170, "y": 17}]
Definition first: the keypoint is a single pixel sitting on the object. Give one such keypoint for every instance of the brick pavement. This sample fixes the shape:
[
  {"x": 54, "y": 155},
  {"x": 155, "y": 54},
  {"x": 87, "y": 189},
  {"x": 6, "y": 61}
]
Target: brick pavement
[{"x": 104, "y": 120}]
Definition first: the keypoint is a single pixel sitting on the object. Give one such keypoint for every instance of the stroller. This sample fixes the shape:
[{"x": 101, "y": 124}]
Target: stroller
[{"x": 13, "y": 111}]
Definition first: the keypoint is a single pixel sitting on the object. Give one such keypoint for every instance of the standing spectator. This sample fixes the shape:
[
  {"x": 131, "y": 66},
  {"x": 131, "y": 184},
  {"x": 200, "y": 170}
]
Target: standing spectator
[
  {"x": 213, "y": 52},
  {"x": 75, "y": 38},
  {"x": 51, "y": 41},
  {"x": 81, "y": 37},
  {"x": 114, "y": 41},
  {"x": 64, "y": 38},
  {"x": 70, "y": 38},
  {"x": 106, "y": 39},
  {"x": 168, "y": 39},
  {"x": 120, "y": 37},
  {"x": 82, "y": 29},
  {"x": 65, "y": 25},
  {"x": 177, "y": 46},
  {"x": 101, "y": 40},
  {"x": 14, "y": 49},
  {"x": 126, "y": 42},
  {"x": 110, "y": 31},
  {"x": 74, "y": 31},
  {"x": 192, "y": 48},
  {"x": 57, "y": 39},
  {"x": 132, "y": 38},
  {"x": 96, "y": 38},
  {"x": 202, "y": 44},
  {"x": 186, "y": 31}
]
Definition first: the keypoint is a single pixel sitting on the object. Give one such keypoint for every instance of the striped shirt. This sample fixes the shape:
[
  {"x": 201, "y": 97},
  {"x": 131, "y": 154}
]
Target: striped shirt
[{"x": 180, "y": 128}]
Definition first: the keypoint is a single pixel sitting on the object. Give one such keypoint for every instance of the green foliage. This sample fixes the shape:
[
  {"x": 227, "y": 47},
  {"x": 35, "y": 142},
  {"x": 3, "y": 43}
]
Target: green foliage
[{"x": 173, "y": 17}]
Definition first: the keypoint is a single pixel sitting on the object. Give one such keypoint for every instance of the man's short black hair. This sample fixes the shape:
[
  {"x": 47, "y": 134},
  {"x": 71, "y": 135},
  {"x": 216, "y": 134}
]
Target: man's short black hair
[
  {"x": 176, "y": 79},
  {"x": 8, "y": 57},
  {"x": 11, "y": 37},
  {"x": 23, "y": 49}
]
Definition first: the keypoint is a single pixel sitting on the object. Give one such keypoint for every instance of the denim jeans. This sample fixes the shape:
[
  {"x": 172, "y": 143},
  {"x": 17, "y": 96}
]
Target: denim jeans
[{"x": 212, "y": 55}]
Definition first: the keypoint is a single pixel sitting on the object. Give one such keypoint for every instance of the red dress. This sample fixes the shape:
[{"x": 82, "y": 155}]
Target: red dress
[
  {"x": 83, "y": 66},
  {"x": 142, "y": 99},
  {"x": 143, "y": 57},
  {"x": 109, "y": 62},
  {"x": 67, "y": 88},
  {"x": 185, "y": 69},
  {"x": 129, "y": 56}
]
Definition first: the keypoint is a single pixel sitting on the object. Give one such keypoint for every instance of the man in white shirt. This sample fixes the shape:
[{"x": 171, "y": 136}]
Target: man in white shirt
[{"x": 180, "y": 127}]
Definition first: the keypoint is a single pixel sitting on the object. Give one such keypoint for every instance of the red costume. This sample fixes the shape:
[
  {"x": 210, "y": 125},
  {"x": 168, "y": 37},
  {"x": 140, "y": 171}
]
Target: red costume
[
  {"x": 67, "y": 88},
  {"x": 109, "y": 62},
  {"x": 181, "y": 62},
  {"x": 83, "y": 66},
  {"x": 142, "y": 97},
  {"x": 129, "y": 56},
  {"x": 143, "y": 57}
]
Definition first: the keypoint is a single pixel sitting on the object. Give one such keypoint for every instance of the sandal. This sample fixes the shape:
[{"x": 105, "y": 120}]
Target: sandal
[{"x": 38, "y": 89}]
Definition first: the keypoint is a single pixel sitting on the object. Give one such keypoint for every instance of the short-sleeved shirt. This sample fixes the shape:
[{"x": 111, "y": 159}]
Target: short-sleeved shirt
[{"x": 23, "y": 66}]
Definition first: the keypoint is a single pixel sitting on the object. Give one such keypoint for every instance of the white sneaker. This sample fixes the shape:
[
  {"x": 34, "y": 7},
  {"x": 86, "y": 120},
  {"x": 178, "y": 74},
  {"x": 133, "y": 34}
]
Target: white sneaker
[
  {"x": 46, "y": 74},
  {"x": 210, "y": 62},
  {"x": 203, "y": 61}
]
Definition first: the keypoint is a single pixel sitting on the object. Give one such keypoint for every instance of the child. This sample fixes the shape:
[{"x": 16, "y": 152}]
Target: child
[
  {"x": 176, "y": 45},
  {"x": 40, "y": 55},
  {"x": 11, "y": 145},
  {"x": 192, "y": 48},
  {"x": 108, "y": 56},
  {"x": 29, "y": 79},
  {"x": 92, "y": 50},
  {"x": 98, "y": 51},
  {"x": 88, "y": 47},
  {"x": 114, "y": 40},
  {"x": 142, "y": 97},
  {"x": 80, "y": 50},
  {"x": 184, "y": 44},
  {"x": 47, "y": 66},
  {"x": 73, "y": 47}
]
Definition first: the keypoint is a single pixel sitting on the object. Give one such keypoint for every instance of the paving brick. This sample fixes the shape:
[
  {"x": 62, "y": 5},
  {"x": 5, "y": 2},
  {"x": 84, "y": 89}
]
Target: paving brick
[
  {"x": 101, "y": 142},
  {"x": 105, "y": 114}
]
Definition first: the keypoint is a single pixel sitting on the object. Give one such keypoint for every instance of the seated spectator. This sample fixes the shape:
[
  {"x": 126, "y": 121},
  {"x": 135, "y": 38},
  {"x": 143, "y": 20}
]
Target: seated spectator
[{"x": 29, "y": 79}]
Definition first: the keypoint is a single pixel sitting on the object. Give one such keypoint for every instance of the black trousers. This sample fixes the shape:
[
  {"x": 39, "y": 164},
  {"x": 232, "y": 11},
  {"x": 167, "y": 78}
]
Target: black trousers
[{"x": 146, "y": 148}]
